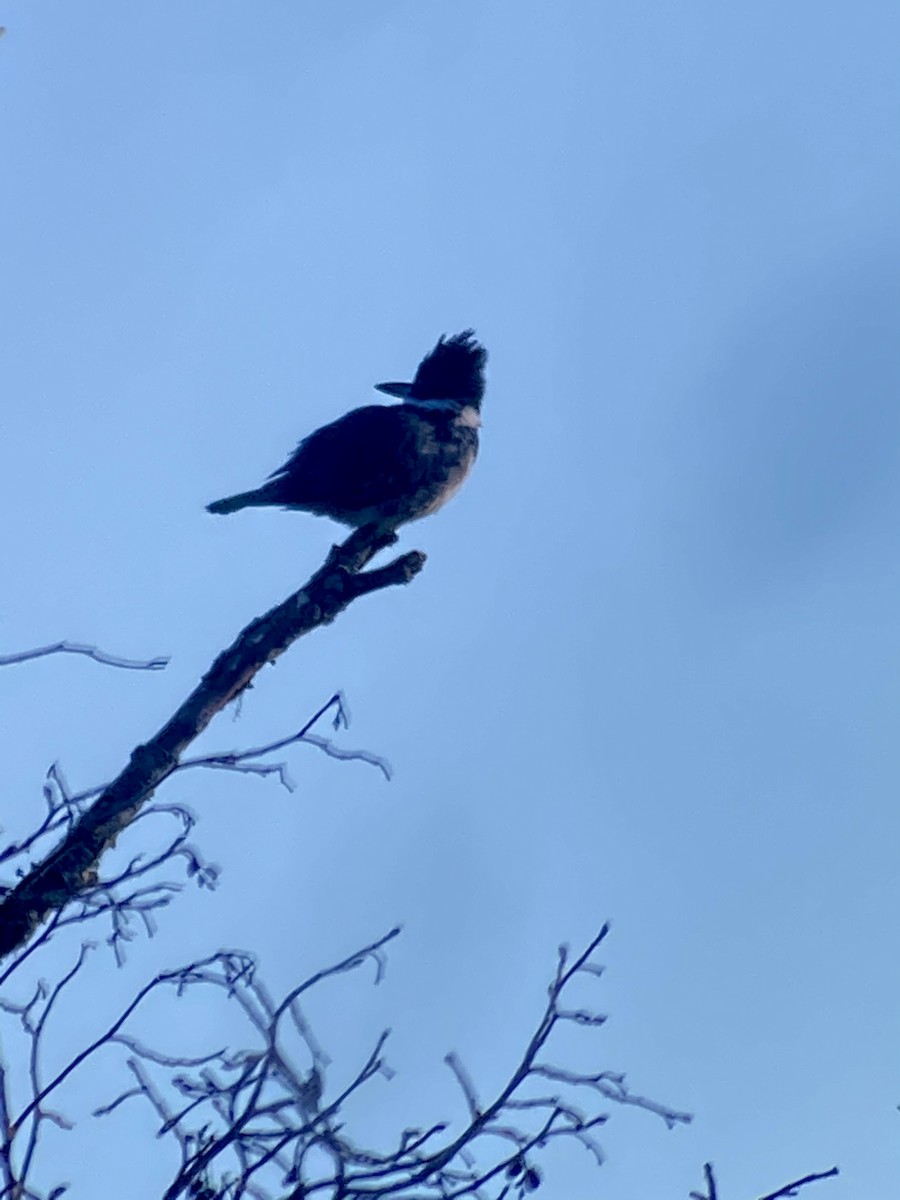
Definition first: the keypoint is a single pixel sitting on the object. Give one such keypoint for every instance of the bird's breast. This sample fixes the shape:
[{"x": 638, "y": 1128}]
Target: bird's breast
[{"x": 447, "y": 448}]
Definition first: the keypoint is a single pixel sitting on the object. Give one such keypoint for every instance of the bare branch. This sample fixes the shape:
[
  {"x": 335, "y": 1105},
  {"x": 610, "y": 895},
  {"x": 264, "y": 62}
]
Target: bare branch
[
  {"x": 72, "y": 868},
  {"x": 100, "y": 656},
  {"x": 465, "y": 1082},
  {"x": 783, "y": 1193},
  {"x": 710, "y": 1180},
  {"x": 242, "y": 760},
  {"x": 6, "y": 1137},
  {"x": 248, "y": 1113},
  {"x": 246, "y": 1120},
  {"x": 792, "y": 1189},
  {"x": 129, "y": 898}
]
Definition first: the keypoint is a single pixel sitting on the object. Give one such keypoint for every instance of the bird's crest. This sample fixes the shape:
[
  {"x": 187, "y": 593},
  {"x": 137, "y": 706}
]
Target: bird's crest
[{"x": 453, "y": 370}]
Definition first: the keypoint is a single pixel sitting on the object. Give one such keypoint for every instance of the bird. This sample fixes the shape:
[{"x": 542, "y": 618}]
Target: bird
[{"x": 388, "y": 464}]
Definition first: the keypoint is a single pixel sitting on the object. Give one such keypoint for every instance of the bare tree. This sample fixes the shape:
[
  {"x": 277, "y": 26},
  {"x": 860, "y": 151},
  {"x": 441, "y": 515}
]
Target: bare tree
[
  {"x": 242, "y": 1120},
  {"x": 245, "y": 1120}
]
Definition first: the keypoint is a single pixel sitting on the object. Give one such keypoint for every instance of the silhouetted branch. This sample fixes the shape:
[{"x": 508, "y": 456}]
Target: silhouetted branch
[
  {"x": 789, "y": 1189},
  {"x": 242, "y": 760},
  {"x": 130, "y": 896},
  {"x": 792, "y": 1189},
  {"x": 250, "y": 1117},
  {"x": 100, "y": 656},
  {"x": 71, "y": 869},
  {"x": 710, "y": 1180},
  {"x": 245, "y": 1120}
]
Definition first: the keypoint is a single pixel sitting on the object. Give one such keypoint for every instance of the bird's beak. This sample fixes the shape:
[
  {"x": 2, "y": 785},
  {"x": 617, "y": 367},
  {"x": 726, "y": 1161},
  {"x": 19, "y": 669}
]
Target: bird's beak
[{"x": 400, "y": 390}]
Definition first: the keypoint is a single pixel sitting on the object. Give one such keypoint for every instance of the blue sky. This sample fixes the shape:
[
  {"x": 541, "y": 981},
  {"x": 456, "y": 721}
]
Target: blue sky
[{"x": 651, "y": 669}]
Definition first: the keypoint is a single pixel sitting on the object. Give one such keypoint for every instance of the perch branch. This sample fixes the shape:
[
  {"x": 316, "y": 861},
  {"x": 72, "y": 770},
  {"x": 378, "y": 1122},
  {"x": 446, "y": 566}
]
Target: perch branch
[{"x": 72, "y": 867}]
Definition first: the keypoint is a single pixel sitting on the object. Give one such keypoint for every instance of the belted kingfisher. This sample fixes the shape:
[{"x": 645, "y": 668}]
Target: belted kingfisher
[{"x": 388, "y": 463}]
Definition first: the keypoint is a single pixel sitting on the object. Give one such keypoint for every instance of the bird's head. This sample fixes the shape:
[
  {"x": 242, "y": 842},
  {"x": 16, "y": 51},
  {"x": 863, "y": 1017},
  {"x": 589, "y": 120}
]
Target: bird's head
[{"x": 452, "y": 373}]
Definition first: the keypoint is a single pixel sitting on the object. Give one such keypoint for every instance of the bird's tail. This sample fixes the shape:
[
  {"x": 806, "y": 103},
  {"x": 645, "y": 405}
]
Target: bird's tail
[{"x": 242, "y": 500}]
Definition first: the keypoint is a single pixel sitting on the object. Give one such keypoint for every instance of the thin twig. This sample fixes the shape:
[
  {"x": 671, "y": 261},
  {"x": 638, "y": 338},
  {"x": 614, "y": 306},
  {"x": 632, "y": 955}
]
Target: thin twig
[
  {"x": 100, "y": 656},
  {"x": 792, "y": 1189},
  {"x": 710, "y": 1180},
  {"x": 243, "y": 760}
]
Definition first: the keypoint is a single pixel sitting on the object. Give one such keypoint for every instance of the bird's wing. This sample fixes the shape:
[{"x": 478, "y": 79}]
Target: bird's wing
[{"x": 368, "y": 457}]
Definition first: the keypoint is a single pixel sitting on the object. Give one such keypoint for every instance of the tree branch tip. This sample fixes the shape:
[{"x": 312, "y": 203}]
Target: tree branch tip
[{"x": 400, "y": 570}]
